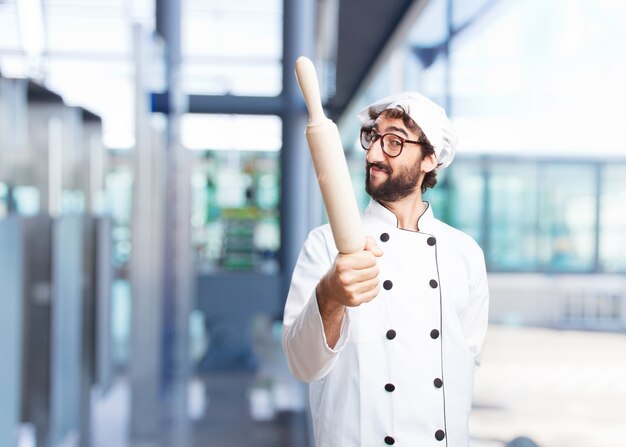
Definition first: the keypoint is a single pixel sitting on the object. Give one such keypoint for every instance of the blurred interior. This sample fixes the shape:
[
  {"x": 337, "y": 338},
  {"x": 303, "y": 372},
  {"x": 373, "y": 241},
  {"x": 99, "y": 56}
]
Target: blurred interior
[{"x": 156, "y": 187}]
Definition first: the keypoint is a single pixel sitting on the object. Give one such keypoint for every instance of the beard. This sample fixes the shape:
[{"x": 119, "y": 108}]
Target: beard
[{"x": 397, "y": 186}]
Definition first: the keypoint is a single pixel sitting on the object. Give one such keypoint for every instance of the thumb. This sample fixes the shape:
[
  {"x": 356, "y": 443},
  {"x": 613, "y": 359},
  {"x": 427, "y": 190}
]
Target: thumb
[{"x": 370, "y": 245}]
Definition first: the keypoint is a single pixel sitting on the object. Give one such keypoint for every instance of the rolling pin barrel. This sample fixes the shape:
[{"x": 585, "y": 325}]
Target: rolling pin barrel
[{"x": 330, "y": 164}]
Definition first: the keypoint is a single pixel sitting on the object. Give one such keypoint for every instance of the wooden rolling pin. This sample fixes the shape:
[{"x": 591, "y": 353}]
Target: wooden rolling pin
[{"x": 330, "y": 164}]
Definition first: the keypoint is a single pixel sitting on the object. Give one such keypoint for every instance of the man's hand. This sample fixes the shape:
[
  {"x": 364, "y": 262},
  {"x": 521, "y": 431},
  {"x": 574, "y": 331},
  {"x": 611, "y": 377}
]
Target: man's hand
[{"x": 351, "y": 281}]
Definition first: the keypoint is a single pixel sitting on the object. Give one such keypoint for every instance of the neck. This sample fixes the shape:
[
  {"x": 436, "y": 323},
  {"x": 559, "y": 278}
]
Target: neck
[{"x": 407, "y": 210}]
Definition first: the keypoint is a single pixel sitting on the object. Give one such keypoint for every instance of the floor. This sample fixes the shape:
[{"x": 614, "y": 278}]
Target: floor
[
  {"x": 228, "y": 420},
  {"x": 535, "y": 387},
  {"x": 557, "y": 388}
]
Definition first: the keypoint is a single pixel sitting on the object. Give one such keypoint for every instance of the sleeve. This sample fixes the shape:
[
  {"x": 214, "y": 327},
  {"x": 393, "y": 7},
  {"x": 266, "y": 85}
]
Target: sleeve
[
  {"x": 308, "y": 355},
  {"x": 475, "y": 317}
]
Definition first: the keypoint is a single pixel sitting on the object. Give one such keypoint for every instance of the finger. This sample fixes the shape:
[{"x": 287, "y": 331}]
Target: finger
[
  {"x": 365, "y": 291},
  {"x": 366, "y": 274},
  {"x": 368, "y": 296},
  {"x": 372, "y": 246},
  {"x": 349, "y": 276},
  {"x": 366, "y": 286},
  {"x": 356, "y": 261}
]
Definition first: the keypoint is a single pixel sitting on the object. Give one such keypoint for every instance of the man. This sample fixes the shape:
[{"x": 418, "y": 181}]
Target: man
[{"x": 392, "y": 364}]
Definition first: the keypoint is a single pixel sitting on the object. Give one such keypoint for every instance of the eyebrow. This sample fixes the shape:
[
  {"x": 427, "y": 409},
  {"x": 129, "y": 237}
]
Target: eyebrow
[{"x": 395, "y": 128}]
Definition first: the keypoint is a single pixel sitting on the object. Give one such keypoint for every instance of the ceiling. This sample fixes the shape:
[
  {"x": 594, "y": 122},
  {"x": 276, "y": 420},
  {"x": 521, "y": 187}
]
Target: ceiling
[
  {"x": 364, "y": 28},
  {"x": 103, "y": 53}
]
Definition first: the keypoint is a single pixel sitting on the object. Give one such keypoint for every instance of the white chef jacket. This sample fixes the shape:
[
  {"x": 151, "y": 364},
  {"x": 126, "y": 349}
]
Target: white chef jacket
[{"x": 402, "y": 371}]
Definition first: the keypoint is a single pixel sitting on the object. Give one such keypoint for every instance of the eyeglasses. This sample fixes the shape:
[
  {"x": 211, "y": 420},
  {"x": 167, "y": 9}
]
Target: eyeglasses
[{"x": 390, "y": 143}]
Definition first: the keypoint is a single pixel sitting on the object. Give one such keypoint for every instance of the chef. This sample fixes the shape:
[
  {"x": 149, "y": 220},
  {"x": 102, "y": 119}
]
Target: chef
[{"x": 389, "y": 337}]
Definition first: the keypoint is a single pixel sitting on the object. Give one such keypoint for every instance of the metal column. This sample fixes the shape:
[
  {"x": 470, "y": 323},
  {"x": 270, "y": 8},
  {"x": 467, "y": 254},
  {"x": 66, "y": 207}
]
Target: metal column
[
  {"x": 297, "y": 188},
  {"x": 145, "y": 361},
  {"x": 298, "y": 40},
  {"x": 178, "y": 271},
  {"x": 11, "y": 278}
]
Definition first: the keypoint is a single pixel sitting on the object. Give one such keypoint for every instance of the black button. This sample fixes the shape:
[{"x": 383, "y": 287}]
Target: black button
[
  {"x": 434, "y": 334},
  {"x": 431, "y": 241},
  {"x": 389, "y": 440},
  {"x": 438, "y": 382},
  {"x": 390, "y": 387},
  {"x": 391, "y": 334},
  {"x": 384, "y": 237},
  {"x": 387, "y": 285},
  {"x": 433, "y": 283},
  {"x": 439, "y": 435}
]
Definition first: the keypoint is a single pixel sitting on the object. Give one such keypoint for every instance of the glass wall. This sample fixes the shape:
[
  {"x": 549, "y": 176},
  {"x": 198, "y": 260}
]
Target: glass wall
[
  {"x": 118, "y": 196},
  {"x": 4, "y": 200},
  {"x": 235, "y": 211},
  {"x": 567, "y": 217},
  {"x": 459, "y": 197},
  {"x": 532, "y": 215},
  {"x": 613, "y": 219},
  {"x": 218, "y": 55},
  {"x": 512, "y": 215},
  {"x": 119, "y": 188},
  {"x": 236, "y": 191}
]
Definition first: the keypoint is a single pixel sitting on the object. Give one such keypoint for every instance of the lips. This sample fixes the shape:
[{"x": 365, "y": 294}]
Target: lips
[{"x": 377, "y": 168}]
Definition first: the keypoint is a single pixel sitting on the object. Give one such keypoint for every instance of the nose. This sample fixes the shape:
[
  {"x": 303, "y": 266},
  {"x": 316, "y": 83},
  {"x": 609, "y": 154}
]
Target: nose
[{"x": 375, "y": 152}]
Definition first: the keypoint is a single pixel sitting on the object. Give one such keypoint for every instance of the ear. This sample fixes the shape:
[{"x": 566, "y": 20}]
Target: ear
[{"x": 429, "y": 163}]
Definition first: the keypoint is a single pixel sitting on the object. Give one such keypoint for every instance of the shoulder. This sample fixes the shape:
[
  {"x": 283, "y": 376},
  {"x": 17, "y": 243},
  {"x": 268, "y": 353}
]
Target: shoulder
[
  {"x": 455, "y": 238},
  {"x": 461, "y": 250},
  {"x": 321, "y": 238},
  {"x": 320, "y": 234}
]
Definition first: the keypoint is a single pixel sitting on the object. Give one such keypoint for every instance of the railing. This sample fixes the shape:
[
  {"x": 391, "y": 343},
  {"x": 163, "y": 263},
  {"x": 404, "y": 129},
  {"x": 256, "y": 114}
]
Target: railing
[
  {"x": 592, "y": 309},
  {"x": 582, "y": 302}
]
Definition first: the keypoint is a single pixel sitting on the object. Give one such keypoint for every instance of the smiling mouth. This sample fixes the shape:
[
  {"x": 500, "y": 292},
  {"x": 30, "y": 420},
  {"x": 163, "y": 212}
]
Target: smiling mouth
[{"x": 377, "y": 168}]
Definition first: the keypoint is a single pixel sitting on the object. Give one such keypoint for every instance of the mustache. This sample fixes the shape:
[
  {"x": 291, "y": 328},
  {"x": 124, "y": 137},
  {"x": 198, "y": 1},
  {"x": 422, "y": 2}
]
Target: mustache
[{"x": 378, "y": 165}]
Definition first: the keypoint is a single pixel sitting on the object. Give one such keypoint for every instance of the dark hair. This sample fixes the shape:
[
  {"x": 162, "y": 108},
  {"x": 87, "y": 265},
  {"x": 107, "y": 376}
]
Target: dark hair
[{"x": 398, "y": 112}]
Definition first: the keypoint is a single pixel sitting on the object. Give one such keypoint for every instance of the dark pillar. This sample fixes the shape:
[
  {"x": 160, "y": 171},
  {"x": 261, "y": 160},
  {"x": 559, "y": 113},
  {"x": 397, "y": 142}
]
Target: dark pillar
[
  {"x": 177, "y": 268},
  {"x": 298, "y": 40}
]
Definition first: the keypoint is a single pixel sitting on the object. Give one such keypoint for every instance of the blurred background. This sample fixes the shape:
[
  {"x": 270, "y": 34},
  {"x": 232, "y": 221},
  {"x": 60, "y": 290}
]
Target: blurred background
[{"x": 156, "y": 187}]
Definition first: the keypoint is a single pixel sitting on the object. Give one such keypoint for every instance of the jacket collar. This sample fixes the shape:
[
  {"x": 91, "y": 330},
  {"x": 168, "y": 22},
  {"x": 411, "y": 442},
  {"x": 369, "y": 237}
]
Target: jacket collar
[{"x": 384, "y": 216}]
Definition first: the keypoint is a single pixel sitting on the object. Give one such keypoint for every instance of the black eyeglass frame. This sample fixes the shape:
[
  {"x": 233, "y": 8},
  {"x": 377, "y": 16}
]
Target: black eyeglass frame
[{"x": 381, "y": 138}]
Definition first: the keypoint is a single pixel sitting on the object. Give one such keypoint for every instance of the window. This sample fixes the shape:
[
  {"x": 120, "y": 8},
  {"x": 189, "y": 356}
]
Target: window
[
  {"x": 613, "y": 219},
  {"x": 232, "y": 47},
  {"x": 567, "y": 217},
  {"x": 235, "y": 191},
  {"x": 512, "y": 215},
  {"x": 463, "y": 184}
]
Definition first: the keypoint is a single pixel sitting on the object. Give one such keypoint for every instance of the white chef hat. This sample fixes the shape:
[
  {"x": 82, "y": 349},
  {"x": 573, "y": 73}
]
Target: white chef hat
[{"x": 430, "y": 117}]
